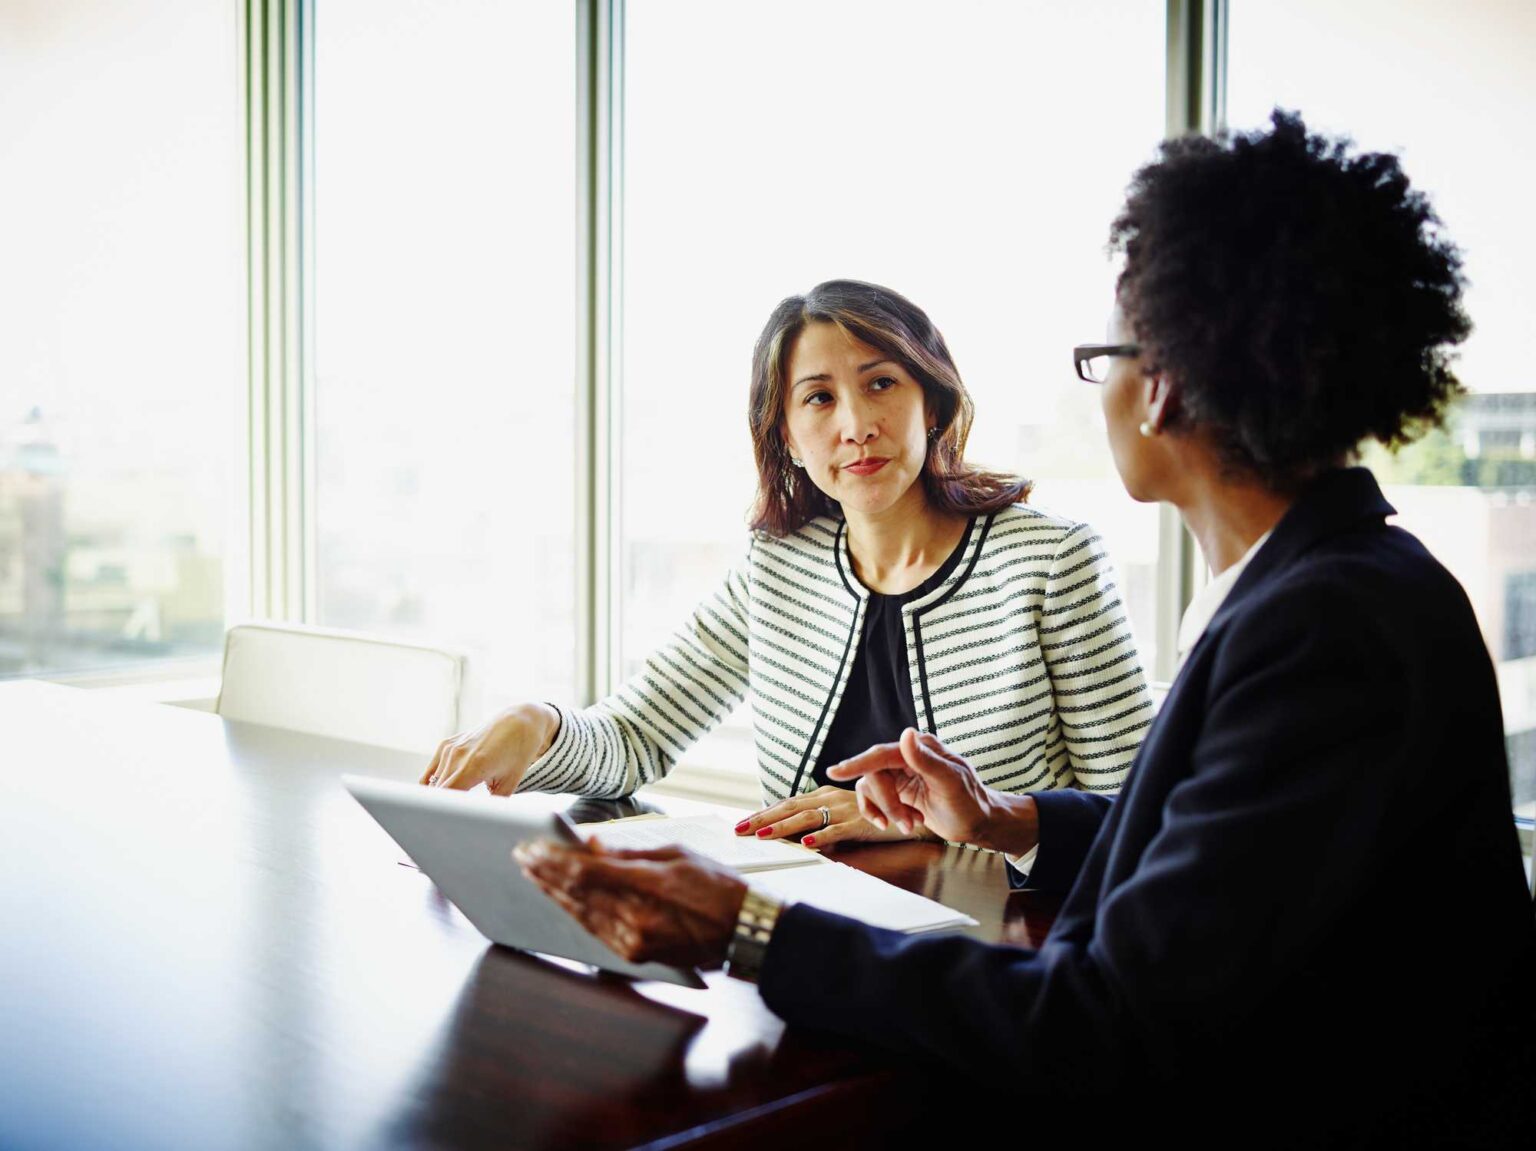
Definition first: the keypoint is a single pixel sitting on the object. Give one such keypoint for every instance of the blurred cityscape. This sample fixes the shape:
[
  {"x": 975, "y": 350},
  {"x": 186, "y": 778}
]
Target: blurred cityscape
[
  {"x": 88, "y": 577},
  {"x": 1469, "y": 492}
]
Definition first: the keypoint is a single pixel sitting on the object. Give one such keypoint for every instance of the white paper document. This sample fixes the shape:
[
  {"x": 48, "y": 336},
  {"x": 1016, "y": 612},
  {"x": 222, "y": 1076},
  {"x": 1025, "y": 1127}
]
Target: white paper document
[
  {"x": 848, "y": 891},
  {"x": 709, "y": 835},
  {"x": 779, "y": 868}
]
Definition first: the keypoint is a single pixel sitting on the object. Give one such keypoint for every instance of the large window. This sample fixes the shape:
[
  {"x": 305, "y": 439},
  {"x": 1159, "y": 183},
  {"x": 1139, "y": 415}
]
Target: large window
[
  {"x": 1380, "y": 70},
  {"x": 121, "y": 331},
  {"x": 451, "y": 263},
  {"x": 925, "y": 147},
  {"x": 445, "y": 330}
]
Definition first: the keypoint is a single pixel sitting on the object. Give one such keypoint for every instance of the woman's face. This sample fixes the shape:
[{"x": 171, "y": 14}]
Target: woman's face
[{"x": 857, "y": 419}]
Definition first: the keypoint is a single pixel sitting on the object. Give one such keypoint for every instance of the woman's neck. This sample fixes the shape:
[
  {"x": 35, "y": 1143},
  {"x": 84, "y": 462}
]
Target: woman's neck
[
  {"x": 1227, "y": 512},
  {"x": 896, "y": 550},
  {"x": 1228, "y": 516}
]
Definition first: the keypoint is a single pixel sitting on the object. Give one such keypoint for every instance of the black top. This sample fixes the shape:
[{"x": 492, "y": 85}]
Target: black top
[{"x": 877, "y": 703}]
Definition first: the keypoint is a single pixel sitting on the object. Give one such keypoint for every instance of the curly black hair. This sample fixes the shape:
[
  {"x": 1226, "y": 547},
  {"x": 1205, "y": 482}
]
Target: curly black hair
[{"x": 1302, "y": 298}]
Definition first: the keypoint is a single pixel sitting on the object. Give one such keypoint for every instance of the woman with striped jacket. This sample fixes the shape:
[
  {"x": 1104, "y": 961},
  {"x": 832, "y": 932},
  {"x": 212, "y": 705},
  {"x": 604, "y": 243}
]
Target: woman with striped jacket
[{"x": 887, "y": 584}]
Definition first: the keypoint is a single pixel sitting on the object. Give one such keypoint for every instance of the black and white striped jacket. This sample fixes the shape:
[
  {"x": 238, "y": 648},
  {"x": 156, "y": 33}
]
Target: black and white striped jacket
[{"x": 1021, "y": 660}]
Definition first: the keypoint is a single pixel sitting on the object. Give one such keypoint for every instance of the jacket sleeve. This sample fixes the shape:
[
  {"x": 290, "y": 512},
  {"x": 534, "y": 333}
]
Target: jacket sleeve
[
  {"x": 1069, "y": 823},
  {"x": 1289, "y": 751},
  {"x": 636, "y": 735},
  {"x": 1090, "y": 656}
]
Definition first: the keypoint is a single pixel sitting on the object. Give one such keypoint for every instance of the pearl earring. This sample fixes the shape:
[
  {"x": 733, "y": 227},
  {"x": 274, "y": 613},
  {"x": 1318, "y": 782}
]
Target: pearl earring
[
  {"x": 933, "y": 433},
  {"x": 1147, "y": 429},
  {"x": 797, "y": 463}
]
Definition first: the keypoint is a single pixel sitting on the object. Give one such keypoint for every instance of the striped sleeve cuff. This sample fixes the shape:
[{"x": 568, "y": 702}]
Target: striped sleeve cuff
[{"x": 552, "y": 770}]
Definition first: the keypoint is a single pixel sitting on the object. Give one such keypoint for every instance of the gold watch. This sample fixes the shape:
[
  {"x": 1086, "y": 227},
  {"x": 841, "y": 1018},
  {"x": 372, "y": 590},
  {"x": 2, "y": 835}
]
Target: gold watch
[{"x": 754, "y": 927}]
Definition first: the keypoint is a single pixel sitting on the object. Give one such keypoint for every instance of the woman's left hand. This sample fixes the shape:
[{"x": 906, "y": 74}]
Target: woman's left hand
[{"x": 842, "y": 822}]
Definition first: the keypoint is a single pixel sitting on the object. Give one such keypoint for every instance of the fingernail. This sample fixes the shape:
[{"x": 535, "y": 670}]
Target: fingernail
[
  {"x": 764, "y": 832},
  {"x": 877, "y": 821},
  {"x": 809, "y": 840},
  {"x": 906, "y": 828},
  {"x": 743, "y": 825}
]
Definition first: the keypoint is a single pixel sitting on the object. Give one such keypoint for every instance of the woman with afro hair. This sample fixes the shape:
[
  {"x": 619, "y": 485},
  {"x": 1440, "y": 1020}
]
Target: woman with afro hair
[{"x": 1304, "y": 921}]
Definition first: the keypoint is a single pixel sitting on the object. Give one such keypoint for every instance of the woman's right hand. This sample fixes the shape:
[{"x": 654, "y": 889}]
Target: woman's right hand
[{"x": 498, "y": 753}]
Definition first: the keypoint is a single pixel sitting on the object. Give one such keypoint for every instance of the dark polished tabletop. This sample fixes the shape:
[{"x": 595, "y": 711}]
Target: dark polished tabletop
[{"x": 205, "y": 943}]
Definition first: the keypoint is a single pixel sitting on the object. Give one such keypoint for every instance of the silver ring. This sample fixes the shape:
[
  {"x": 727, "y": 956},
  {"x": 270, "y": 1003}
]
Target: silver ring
[{"x": 826, "y": 817}]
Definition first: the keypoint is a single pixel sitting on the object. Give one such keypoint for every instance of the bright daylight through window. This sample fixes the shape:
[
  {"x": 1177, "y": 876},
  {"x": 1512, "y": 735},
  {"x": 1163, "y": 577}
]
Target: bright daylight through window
[
  {"x": 1468, "y": 492},
  {"x": 935, "y": 148},
  {"x": 122, "y": 336},
  {"x": 914, "y": 152}
]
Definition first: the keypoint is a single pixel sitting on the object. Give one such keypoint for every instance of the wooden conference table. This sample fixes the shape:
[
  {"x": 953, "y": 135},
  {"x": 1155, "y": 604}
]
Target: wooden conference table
[{"x": 205, "y": 943}]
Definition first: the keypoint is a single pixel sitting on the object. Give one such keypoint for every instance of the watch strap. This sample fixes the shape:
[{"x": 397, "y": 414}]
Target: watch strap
[{"x": 749, "y": 943}]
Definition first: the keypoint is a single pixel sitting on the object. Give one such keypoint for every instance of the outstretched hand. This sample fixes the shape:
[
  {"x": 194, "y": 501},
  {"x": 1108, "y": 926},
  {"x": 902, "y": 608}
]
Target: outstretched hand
[
  {"x": 917, "y": 780},
  {"x": 497, "y": 754}
]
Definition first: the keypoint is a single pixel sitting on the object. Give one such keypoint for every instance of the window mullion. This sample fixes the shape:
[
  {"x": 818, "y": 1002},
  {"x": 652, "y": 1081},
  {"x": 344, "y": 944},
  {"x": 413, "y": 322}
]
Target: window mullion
[
  {"x": 277, "y": 119},
  {"x": 1195, "y": 102},
  {"x": 599, "y": 178}
]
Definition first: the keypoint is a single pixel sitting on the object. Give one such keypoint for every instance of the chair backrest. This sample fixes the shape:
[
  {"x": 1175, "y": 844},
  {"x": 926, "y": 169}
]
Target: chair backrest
[{"x": 341, "y": 684}]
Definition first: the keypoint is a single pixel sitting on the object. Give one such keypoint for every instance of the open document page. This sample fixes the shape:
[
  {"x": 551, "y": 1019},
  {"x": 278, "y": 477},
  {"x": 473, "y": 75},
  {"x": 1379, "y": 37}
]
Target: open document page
[
  {"x": 848, "y": 891},
  {"x": 710, "y": 835}
]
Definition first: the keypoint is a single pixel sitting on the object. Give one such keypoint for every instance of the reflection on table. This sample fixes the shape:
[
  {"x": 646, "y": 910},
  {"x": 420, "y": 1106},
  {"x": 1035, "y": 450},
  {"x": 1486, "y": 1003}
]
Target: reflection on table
[{"x": 206, "y": 943}]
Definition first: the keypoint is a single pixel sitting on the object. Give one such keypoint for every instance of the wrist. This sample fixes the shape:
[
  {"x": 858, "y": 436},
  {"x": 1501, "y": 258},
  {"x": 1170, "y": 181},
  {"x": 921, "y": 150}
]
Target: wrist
[
  {"x": 755, "y": 921},
  {"x": 544, "y": 721},
  {"x": 1011, "y": 824}
]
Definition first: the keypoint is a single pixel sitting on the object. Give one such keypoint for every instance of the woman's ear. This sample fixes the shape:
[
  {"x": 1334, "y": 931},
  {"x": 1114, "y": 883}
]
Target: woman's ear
[
  {"x": 1162, "y": 403},
  {"x": 789, "y": 446}
]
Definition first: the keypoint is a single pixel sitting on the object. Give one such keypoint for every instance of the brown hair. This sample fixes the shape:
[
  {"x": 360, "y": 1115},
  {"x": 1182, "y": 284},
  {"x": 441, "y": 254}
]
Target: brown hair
[{"x": 889, "y": 322}]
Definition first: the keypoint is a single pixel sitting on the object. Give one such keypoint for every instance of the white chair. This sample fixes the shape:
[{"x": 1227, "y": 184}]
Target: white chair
[{"x": 341, "y": 684}]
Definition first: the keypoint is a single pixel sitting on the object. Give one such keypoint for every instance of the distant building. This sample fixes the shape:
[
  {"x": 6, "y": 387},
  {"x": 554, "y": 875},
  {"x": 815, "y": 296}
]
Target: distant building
[
  {"x": 33, "y": 546},
  {"x": 1497, "y": 425},
  {"x": 1471, "y": 498}
]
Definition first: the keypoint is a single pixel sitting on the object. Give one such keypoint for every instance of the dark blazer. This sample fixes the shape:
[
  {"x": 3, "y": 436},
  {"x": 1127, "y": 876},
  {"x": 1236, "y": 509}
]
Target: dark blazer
[{"x": 1308, "y": 898}]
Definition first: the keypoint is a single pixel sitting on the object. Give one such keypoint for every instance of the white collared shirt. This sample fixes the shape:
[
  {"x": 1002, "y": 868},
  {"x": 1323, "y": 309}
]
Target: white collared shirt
[
  {"x": 1197, "y": 617},
  {"x": 1208, "y": 600}
]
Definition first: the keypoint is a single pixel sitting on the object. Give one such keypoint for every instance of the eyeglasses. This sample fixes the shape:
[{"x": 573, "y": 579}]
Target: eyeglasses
[{"x": 1092, "y": 360}]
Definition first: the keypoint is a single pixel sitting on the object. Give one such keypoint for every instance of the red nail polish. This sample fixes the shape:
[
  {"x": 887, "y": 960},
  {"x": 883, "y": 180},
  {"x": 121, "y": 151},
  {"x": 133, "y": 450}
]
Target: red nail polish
[
  {"x": 764, "y": 832},
  {"x": 743, "y": 825},
  {"x": 808, "y": 840}
]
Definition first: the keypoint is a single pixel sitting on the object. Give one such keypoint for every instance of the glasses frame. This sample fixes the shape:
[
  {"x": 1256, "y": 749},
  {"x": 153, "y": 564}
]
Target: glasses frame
[{"x": 1085, "y": 352}]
